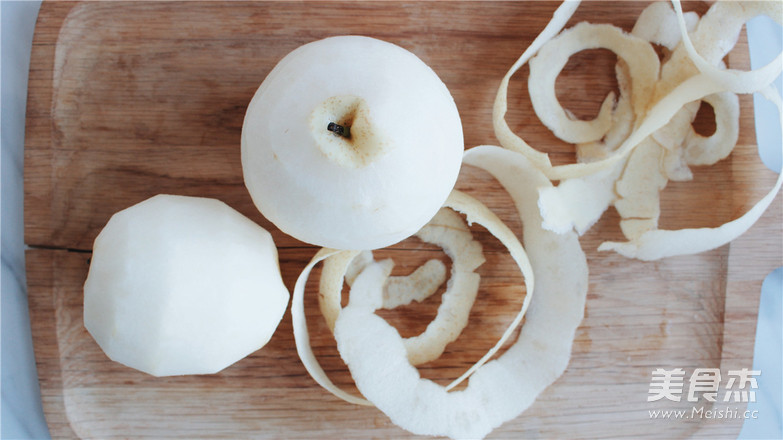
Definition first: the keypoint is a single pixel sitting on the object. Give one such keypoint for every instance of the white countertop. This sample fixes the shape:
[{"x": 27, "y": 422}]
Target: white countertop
[{"x": 20, "y": 410}]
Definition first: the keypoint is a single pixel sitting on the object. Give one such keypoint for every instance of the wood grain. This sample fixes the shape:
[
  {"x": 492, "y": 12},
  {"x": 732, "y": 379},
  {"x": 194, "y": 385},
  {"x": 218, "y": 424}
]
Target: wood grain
[{"x": 128, "y": 100}]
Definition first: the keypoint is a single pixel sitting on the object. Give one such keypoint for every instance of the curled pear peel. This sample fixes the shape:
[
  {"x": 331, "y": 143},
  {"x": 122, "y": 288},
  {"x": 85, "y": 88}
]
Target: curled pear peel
[
  {"x": 449, "y": 231},
  {"x": 629, "y": 168},
  {"x": 504, "y": 387}
]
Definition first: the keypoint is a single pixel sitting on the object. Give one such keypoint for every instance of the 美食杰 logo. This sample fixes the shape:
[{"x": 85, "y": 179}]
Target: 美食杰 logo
[{"x": 704, "y": 384}]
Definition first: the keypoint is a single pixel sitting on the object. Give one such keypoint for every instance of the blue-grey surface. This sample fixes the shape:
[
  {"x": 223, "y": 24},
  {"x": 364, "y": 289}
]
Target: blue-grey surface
[
  {"x": 766, "y": 41},
  {"x": 20, "y": 410}
]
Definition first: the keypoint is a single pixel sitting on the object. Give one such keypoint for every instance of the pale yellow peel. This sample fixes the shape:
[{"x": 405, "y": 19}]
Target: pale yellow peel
[
  {"x": 729, "y": 23},
  {"x": 302, "y": 336},
  {"x": 356, "y": 265},
  {"x": 707, "y": 150},
  {"x": 676, "y": 168},
  {"x": 576, "y": 204},
  {"x": 398, "y": 290},
  {"x": 476, "y": 212},
  {"x": 639, "y": 56},
  {"x": 722, "y": 23},
  {"x": 447, "y": 230},
  {"x": 658, "y": 116},
  {"x": 418, "y": 286},
  {"x": 450, "y": 232},
  {"x": 686, "y": 85},
  {"x": 671, "y": 135},
  {"x": 658, "y": 24},
  {"x": 331, "y": 280},
  {"x": 506, "y": 386},
  {"x": 638, "y": 189},
  {"x": 451, "y": 319},
  {"x": 657, "y": 244},
  {"x": 622, "y": 121},
  {"x": 579, "y": 202},
  {"x": 503, "y": 132}
]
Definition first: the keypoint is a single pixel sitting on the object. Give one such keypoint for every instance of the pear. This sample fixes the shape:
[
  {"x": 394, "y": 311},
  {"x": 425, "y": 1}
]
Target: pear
[
  {"x": 182, "y": 285},
  {"x": 351, "y": 143}
]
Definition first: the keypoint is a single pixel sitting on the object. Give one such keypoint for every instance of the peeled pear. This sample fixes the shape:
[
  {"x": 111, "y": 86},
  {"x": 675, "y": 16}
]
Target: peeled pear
[
  {"x": 182, "y": 285},
  {"x": 351, "y": 143}
]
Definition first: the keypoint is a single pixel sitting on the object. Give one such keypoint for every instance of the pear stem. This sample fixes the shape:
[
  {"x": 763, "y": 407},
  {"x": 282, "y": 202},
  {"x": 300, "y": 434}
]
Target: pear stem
[{"x": 339, "y": 130}]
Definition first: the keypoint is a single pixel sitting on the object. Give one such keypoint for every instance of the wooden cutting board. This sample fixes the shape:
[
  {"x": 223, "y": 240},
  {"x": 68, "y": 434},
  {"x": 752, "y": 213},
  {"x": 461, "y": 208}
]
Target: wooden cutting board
[{"x": 128, "y": 100}]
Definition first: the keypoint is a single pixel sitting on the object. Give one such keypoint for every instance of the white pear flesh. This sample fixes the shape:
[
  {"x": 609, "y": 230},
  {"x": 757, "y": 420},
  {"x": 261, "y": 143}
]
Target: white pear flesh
[
  {"x": 374, "y": 188},
  {"x": 182, "y": 285}
]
